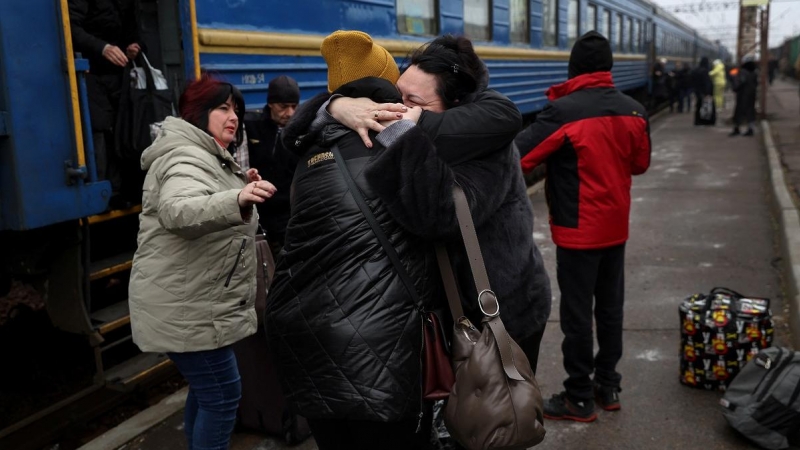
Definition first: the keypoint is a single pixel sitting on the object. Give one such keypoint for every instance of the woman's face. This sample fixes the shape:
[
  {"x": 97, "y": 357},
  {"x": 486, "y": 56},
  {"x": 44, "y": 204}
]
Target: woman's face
[
  {"x": 418, "y": 88},
  {"x": 223, "y": 122}
]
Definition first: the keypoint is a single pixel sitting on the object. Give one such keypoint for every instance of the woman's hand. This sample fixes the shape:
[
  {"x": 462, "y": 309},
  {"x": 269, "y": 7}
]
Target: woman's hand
[
  {"x": 252, "y": 175},
  {"x": 256, "y": 192},
  {"x": 362, "y": 115}
]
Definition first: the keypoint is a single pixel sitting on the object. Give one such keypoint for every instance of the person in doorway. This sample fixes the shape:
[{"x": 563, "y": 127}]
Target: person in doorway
[
  {"x": 106, "y": 33},
  {"x": 268, "y": 155},
  {"x": 193, "y": 282},
  {"x": 593, "y": 139},
  {"x": 745, "y": 86}
]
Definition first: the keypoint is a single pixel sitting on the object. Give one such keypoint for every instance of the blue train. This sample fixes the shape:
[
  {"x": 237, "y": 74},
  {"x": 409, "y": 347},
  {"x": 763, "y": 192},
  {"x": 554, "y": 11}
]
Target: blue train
[{"x": 55, "y": 226}]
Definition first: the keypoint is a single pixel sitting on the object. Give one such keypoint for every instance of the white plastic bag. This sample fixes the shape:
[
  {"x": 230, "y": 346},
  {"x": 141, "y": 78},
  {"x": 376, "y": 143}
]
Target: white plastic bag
[{"x": 139, "y": 77}]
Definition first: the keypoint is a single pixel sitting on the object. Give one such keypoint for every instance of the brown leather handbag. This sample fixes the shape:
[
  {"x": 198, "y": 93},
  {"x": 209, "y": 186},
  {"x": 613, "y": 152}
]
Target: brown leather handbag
[
  {"x": 265, "y": 272},
  {"x": 495, "y": 402}
]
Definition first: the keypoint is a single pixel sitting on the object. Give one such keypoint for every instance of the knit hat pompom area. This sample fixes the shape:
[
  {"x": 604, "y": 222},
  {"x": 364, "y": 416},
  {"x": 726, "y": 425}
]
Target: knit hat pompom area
[{"x": 351, "y": 55}]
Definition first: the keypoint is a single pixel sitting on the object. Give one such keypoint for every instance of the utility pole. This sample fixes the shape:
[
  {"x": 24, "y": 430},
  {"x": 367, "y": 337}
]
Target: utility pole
[
  {"x": 764, "y": 60},
  {"x": 739, "y": 51}
]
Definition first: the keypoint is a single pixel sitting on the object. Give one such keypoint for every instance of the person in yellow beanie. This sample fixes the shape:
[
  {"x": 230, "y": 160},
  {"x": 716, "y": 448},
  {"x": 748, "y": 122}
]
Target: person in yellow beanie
[
  {"x": 345, "y": 328},
  {"x": 351, "y": 55},
  {"x": 453, "y": 128}
]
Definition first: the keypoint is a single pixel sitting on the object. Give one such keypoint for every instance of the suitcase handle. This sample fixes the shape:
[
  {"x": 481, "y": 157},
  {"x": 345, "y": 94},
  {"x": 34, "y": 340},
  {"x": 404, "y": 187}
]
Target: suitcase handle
[{"x": 724, "y": 290}]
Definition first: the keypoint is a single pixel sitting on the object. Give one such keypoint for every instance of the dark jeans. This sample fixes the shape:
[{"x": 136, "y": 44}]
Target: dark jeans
[
  {"x": 104, "y": 94},
  {"x": 214, "y": 392},
  {"x": 338, "y": 434},
  {"x": 684, "y": 98},
  {"x": 584, "y": 276}
]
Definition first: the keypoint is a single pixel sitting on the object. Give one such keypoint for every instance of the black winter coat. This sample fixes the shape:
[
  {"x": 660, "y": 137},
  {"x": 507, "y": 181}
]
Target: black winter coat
[
  {"x": 275, "y": 164},
  {"x": 745, "y": 86},
  {"x": 345, "y": 331},
  {"x": 95, "y": 23}
]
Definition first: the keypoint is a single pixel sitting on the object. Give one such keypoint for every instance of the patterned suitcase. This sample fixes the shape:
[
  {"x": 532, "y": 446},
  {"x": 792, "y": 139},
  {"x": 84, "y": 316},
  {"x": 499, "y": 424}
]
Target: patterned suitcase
[{"x": 720, "y": 332}]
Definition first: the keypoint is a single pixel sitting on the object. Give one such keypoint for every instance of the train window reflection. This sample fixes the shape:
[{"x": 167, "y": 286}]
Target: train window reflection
[
  {"x": 477, "y": 25},
  {"x": 591, "y": 18},
  {"x": 417, "y": 17},
  {"x": 631, "y": 36},
  {"x": 520, "y": 18},
  {"x": 550, "y": 23},
  {"x": 572, "y": 22},
  {"x": 620, "y": 34},
  {"x": 606, "y": 25}
]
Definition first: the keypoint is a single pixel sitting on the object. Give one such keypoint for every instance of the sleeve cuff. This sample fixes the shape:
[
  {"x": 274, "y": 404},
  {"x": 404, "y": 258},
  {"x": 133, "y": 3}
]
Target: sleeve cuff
[
  {"x": 235, "y": 215},
  {"x": 323, "y": 116},
  {"x": 395, "y": 131}
]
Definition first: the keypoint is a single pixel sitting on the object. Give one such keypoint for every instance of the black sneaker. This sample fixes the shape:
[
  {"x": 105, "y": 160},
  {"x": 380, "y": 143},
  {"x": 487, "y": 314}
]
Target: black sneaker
[
  {"x": 735, "y": 132},
  {"x": 607, "y": 397},
  {"x": 560, "y": 407}
]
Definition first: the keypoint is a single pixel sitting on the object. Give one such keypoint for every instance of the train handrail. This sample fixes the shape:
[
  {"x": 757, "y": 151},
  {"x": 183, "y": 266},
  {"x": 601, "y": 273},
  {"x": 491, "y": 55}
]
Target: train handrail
[{"x": 73, "y": 88}]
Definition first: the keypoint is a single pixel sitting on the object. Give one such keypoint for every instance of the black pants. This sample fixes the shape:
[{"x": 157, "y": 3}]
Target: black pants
[
  {"x": 530, "y": 346},
  {"x": 104, "y": 93},
  {"x": 336, "y": 434},
  {"x": 584, "y": 276}
]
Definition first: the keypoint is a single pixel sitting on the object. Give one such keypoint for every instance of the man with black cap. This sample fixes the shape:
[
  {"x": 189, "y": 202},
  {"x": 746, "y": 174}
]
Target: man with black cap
[
  {"x": 593, "y": 139},
  {"x": 270, "y": 158}
]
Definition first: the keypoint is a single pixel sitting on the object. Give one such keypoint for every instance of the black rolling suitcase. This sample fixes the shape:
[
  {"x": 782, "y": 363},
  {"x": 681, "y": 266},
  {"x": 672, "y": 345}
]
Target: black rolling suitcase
[{"x": 263, "y": 406}]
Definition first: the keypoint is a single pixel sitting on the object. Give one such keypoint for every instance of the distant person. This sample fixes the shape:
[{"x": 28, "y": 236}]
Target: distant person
[
  {"x": 592, "y": 138},
  {"x": 772, "y": 69},
  {"x": 703, "y": 91},
  {"x": 660, "y": 90},
  {"x": 683, "y": 83},
  {"x": 745, "y": 86},
  {"x": 797, "y": 69},
  {"x": 717, "y": 75},
  {"x": 106, "y": 33},
  {"x": 268, "y": 155},
  {"x": 193, "y": 282}
]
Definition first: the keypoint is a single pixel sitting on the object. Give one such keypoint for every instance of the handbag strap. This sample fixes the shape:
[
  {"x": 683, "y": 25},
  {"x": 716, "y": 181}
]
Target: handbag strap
[
  {"x": 481, "y": 278},
  {"x": 376, "y": 228}
]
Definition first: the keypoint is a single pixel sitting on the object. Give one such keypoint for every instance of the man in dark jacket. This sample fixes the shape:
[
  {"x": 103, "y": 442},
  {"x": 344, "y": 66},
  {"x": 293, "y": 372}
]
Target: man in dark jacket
[
  {"x": 745, "y": 85},
  {"x": 106, "y": 33},
  {"x": 267, "y": 154},
  {"x": 593, "y": 138}
]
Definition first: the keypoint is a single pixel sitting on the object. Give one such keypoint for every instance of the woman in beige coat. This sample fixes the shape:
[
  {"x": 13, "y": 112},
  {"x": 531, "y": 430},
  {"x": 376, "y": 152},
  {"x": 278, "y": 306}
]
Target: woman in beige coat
[{"x": 192, "y": 287}]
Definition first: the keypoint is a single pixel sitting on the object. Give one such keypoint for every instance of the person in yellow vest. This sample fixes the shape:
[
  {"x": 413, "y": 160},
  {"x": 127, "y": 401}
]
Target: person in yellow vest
[{"x": 717, "y": 75}]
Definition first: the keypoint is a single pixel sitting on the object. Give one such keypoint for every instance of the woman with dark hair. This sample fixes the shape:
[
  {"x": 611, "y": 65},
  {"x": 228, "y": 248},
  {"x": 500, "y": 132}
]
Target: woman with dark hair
[
  {"x": 193, "y": 282},
  {"x": 455, "y": 130}
]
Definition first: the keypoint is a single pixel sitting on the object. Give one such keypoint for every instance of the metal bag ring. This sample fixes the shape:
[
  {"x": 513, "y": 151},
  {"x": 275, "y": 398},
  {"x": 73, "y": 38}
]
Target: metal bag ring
[{"x": 497, "y": 302}]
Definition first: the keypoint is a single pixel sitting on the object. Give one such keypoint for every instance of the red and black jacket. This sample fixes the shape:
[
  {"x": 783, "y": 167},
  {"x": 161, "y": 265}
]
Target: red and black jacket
[{"x": 593, "y": 138}]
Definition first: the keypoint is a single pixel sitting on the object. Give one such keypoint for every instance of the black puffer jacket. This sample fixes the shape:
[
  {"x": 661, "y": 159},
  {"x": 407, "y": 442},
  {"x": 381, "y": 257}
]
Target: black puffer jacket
[{"x": 345, "y": 331}]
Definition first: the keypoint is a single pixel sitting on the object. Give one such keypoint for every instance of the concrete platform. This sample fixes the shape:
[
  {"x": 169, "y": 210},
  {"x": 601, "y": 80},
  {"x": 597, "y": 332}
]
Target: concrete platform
[{"x": 703, "y": 216}]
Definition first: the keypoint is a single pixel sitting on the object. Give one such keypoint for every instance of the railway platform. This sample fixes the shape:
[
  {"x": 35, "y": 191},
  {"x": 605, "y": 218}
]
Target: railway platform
[{"x": 712, "y": 211}]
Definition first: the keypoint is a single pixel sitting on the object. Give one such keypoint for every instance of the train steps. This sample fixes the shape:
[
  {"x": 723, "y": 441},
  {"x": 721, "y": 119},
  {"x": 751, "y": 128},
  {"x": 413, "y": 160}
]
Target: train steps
[{"x": 111, "y": 239}]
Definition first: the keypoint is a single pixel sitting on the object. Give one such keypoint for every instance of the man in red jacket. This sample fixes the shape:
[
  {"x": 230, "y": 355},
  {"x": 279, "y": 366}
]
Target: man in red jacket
[{"x": 593, "y": 138}]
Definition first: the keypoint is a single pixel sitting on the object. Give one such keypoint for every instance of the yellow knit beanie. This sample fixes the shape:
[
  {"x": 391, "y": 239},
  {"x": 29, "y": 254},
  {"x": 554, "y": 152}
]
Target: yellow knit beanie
[{"x": 351, "y": 55}]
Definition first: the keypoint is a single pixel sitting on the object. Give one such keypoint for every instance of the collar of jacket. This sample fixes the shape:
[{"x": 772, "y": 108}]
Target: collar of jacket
[{"x": 585, "y": 81}]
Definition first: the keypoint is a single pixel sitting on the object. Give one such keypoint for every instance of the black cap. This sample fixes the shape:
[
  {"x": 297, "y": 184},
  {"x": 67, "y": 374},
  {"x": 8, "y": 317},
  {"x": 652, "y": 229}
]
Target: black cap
[
  {"x": 283, "y": 89},
  {"x": 591, "y": 53}
]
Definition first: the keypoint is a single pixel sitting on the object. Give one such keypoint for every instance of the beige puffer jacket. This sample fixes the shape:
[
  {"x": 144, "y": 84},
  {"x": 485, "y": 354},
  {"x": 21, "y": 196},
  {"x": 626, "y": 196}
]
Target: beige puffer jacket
[{"x": 192, "y": 285}]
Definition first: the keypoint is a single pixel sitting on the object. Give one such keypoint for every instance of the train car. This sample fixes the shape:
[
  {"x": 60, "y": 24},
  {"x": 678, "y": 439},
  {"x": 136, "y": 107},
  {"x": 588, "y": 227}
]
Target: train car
[{"x": 56, "y": 230}]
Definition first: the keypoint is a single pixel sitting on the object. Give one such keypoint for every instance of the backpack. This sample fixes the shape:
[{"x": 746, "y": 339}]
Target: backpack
[{"x": 762, "y": 401}]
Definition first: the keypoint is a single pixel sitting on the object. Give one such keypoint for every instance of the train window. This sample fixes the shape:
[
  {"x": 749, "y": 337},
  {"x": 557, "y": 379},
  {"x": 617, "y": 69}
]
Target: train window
[
  {"x": 606, "y": 25},
  {"x": 620, "y": 34},
  {"x": 417, "y": 17},
  {"x": 631, "y": 37},
  {"x": 636, "y": 36},
  {"x": 477, "y": 25},
  {"x": 550, "y": 23},
  {"x": 573, "y": 22},
  {"x": 591, "y": 18},
  {"x": 519, "y": 13}
]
